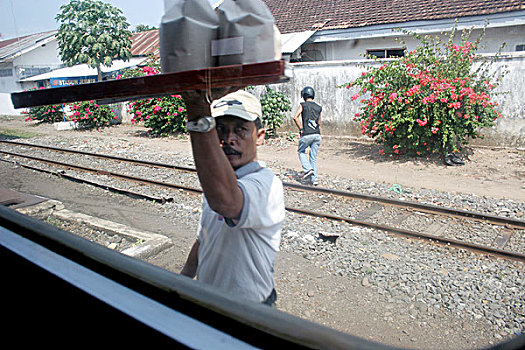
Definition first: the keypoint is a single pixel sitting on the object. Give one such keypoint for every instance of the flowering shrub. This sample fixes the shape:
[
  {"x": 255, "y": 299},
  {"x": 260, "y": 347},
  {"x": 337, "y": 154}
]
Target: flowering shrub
[
  {"x": 89, "y": 114},
  {"x": 431, "y": 100},
  {"x": 163, "y": 115},
  {"x": 45, "y": 114},
  {"x": 152, "y": 69}
]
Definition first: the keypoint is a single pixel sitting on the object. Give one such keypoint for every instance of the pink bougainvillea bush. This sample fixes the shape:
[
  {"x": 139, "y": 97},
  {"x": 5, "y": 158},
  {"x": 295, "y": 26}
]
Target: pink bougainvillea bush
[
  {"x": 89, "y": 115},
  {"x": 430, "y": 101},
  {"x": 162, "y": 115},
  {"x": 45, "y": 114}
]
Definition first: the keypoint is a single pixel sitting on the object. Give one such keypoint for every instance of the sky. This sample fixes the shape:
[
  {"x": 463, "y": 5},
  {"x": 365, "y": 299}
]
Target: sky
[{"x": 23, "y": 17}]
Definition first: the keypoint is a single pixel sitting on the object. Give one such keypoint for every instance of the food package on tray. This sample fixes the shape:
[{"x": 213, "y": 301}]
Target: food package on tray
[
  {"x": 194, "y": 35},
  {"x": 247, "y": 33},
  {"x": 186, "y": 31}
]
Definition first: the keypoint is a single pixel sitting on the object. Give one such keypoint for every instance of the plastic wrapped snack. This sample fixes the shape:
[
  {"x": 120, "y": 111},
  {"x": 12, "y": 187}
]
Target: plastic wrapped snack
[
  {"x": 247, "y": 33},
  {"x": 187, "y": 30}
]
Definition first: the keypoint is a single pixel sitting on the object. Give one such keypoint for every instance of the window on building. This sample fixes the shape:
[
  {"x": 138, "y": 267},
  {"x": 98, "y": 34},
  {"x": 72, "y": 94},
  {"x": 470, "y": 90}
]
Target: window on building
[
  {"x": 312, "y": 52},
  {"x": 386, "y": 53},
  {"x": 520, "y": 47},
  {"x": 311, "y": 56},
  {"x": 6, "y": 72},
  {"x": 25, "y": 72}
]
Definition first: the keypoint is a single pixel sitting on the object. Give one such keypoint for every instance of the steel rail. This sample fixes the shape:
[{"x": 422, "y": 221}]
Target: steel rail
[
  {"x": 100, "y": 155},
  {"x": 103, "y": 172},
  {"x": 442, "y": 240},
  {"x": 91, "y": 183},
  {"x": 428, "y": 208}
]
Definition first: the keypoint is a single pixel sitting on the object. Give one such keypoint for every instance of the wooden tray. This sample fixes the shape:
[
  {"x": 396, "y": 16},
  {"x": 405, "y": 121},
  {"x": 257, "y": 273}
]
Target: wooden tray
[{"x": 156, "y": 85}]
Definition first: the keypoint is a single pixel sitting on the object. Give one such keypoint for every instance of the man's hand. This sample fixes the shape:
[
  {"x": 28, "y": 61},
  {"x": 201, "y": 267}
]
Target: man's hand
[
  {"x": 198, "y": 101},
  {"x": 196, "y": 104}
]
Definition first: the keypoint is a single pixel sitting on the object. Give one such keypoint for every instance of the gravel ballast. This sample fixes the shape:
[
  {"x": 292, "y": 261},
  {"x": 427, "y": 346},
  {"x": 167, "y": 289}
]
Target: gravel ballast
[{"x": 413, "y": 280}]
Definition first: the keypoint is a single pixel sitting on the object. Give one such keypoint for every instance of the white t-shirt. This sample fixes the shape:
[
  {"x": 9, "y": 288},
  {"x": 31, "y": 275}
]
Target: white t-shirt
[{"x": 239, "y": 257}]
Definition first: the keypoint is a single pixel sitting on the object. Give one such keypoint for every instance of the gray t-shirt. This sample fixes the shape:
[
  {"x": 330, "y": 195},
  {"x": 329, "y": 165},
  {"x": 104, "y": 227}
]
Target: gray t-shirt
[{"x": 239, "y": 257}]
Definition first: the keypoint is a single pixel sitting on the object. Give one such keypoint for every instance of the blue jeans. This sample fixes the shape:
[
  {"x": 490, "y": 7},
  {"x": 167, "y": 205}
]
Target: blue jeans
[{"x": 313, "y": 141}]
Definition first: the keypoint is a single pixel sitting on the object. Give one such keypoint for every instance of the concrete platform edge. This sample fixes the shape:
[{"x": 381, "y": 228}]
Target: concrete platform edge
[{"x": 151, "y": 243}]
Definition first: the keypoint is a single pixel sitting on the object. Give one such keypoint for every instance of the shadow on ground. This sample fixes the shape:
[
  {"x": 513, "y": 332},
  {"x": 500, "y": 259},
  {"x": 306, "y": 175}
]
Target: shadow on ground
[{"x": 370, "y": 152}]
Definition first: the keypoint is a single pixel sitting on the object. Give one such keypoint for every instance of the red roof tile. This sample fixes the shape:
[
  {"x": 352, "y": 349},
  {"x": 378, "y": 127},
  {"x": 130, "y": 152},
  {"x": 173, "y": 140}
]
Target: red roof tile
[
  {"x": 145, "y": 43},
  {"x": 11, "y": 41},
  {"x": 301, "y": 15}
]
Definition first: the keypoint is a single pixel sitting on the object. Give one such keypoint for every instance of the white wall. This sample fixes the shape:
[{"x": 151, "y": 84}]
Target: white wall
[
  {"x": 6, "y": 106},
  {"x": 339, "y": 109},
  {"x": 8, "y": 84}
]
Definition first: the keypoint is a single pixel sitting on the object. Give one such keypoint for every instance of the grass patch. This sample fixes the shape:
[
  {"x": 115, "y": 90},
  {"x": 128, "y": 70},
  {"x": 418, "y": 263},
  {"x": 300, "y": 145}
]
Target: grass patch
[{"x": 6, "y": 134}]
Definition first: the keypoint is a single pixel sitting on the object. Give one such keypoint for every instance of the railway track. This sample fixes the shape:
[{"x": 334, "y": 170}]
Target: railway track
[{"x": 441, "y": 225}]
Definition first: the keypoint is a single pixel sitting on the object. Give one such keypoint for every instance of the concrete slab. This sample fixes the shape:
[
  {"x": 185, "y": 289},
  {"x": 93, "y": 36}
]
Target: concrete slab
[
  {"x": 150, "y": 243},
  {"x": 65, "y": 125},
  {"x": 16, "y": 200}
]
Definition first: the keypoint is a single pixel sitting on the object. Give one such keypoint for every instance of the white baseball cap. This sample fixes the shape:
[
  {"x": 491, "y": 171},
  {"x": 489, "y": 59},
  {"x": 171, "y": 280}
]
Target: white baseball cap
[{"x": 240, "y": 104}]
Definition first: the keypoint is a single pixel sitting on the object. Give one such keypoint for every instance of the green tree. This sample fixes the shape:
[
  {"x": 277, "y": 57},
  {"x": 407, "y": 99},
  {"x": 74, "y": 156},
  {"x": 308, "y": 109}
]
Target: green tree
[
  {"x": 274, "y": 105},
  {"x": 143, "y": 28},
  {"x": 92, "y": 32}
]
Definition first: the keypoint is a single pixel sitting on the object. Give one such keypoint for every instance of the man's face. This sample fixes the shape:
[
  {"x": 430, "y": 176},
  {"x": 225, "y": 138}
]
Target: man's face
[{"x": 239, "y": 139}]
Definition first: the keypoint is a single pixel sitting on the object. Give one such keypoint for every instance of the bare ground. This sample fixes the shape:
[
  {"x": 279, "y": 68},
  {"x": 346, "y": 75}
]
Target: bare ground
[{"x": 307, "y": 292}]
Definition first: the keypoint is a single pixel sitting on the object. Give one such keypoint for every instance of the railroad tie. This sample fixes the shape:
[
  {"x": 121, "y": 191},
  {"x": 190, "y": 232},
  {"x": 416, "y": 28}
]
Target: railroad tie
[
  {"x": 369, "y": 212},
  {"x": 502, "y": 239}
]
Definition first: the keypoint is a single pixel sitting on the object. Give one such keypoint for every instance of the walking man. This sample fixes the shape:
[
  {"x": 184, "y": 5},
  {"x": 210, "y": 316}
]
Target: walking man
[
  {"x": 308, "y": 124},
  {"x": 243, "y": 203}
]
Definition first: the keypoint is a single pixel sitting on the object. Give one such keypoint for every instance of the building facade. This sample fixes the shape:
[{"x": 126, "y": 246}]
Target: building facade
[
  {"x": 27, "y": 56},
  {"x": 352, "y": 29}
]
